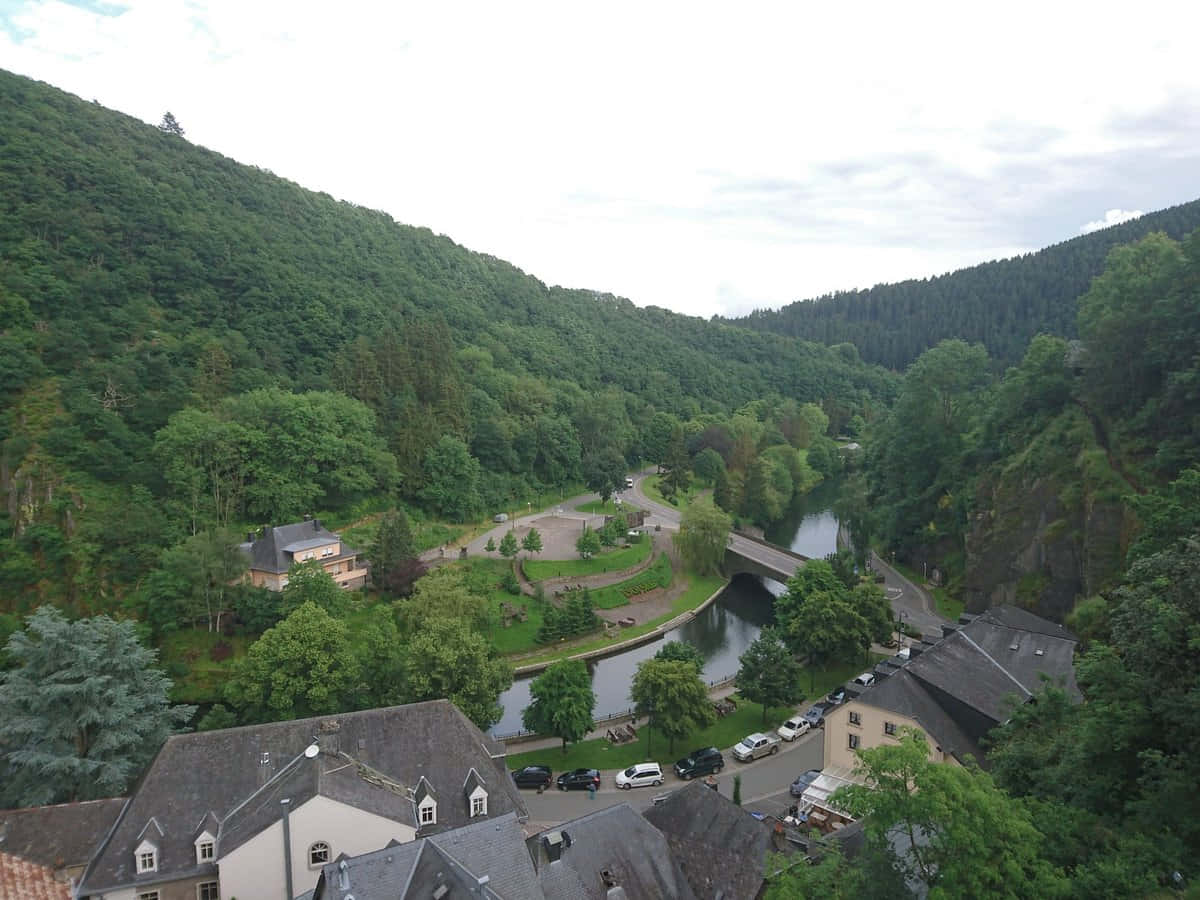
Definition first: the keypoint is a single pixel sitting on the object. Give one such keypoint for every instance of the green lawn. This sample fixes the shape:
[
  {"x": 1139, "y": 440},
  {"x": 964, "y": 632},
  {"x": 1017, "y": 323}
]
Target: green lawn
[
  {"x": 699, "y": 589},
  {"x": 608, "y": 561},
  {"x": 600, "y": 754},
  {"x": 609, "y": 509},
  {"x": 948, "y": 607},
  {"x": 205, "y": 677}
]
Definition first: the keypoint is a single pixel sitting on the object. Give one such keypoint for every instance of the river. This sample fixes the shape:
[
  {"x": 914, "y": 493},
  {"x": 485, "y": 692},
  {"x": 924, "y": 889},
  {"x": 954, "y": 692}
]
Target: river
[{"x": 722, "y": 632}]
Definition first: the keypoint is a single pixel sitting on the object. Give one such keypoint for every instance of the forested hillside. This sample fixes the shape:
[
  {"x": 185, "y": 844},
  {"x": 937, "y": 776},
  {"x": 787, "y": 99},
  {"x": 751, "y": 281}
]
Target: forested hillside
[
  {"x": 190, "y": 343},
  {"x": 1000, "y": 304}
]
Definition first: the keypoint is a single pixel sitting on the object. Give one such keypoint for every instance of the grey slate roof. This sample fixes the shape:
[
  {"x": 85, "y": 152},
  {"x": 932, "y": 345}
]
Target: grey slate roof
[
  {"x": 368, "y": 759},
  {"x": 458, "y": 859},
  {"x": 617, "y": 841},
  {"x": 720, "y": 847},
  {"x": 61, "y": 836},
  {"x": 904, "y": 695},
  {"x": 272, "y": 551},
  {"x": 978, "y": 665}
]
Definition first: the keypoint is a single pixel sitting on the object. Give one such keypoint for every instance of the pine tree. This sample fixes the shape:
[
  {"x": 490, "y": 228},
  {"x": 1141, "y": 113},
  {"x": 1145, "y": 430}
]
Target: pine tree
[
  {"x": 81, "y": 712},
  {"x": 170, "y": 125},
  {"x": 532, "y": 542}
]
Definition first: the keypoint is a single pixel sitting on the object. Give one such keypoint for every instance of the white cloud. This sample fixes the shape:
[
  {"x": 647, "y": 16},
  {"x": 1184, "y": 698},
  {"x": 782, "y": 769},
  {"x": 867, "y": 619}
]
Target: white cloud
[
  {"x": 1111, "y": 217},
  {"x": 680, "y": 155}
]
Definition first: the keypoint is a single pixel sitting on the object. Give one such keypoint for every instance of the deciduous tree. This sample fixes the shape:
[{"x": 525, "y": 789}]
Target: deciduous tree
[
  {"x": 671, "y": 694},
  {"x": 588, "y": 543},
  {"x": 703, "y": 536},
  {"x": 769, "y": 673},
  {"x": 532, "y": 542},
  {"x": 563, "y": 702},
  {"x": 447, "y": 659},
  {"x": 508, "y": 545}
]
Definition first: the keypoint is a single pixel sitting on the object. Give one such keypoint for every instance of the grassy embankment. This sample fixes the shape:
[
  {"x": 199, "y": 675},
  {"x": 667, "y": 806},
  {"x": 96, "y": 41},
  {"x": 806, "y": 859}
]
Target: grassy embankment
[
  {"x": 724, "y": 733},
  {"x": 948, "y": 607}
]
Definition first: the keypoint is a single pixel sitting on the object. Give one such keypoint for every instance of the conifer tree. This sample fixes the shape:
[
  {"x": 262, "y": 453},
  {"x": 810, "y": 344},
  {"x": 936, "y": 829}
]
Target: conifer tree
[{"x": 83, "y": 709}]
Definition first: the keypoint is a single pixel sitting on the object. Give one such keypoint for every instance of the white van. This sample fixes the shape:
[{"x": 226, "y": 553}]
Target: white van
[
  {"x": 628, "y": 481},
  {"x": 640, "y": 775}
]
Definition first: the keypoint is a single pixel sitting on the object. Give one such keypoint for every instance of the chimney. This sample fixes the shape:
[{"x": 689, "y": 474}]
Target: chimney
[
  {"x": 327, "y": 736},
  {"x": 948, "y": 629},
  {"x": 552, "y": 843}
]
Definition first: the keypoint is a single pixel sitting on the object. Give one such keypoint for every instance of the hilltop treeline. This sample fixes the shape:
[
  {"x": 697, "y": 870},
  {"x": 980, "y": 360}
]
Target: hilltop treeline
[{"x": 1000, "y": 304}]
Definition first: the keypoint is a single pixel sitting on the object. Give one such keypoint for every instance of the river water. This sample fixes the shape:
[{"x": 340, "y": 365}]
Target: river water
[{"x": 722, "y": 632}]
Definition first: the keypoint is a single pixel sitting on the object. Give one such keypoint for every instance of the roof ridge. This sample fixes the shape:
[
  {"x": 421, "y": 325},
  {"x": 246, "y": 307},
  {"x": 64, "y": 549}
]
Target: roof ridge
[{"x": 992, "y": 660}]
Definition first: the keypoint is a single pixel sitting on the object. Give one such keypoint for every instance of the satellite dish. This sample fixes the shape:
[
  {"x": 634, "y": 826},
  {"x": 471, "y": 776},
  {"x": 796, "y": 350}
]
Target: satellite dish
[{"x": 311, "y": 751}]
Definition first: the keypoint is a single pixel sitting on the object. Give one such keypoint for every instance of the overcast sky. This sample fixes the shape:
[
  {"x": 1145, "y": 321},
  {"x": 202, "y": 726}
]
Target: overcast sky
[{"x": 710, "y": 159}]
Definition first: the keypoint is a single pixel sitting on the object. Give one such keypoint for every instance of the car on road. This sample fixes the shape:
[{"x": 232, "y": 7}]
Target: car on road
[
  {"x": 500, "y": 517},
  {"x": 866, "y": 679},
  {"x": 578, "y": 780},
  {"x": 837, "y": 696},
  {"x": 800, "y": 785},
  {"x": 755, "y": 745},
  {"x": 628, "y": 481},
  {"x": 815, "y": 716},
  {"x": 532, "y": 776},
  {"x": 794, "y": 728},
  {"x": 700, "y": 762},
  {"x": 640, "y": 775}
]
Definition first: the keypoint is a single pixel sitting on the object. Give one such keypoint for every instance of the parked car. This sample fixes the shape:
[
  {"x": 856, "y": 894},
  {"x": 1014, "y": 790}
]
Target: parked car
[
  {"x": 815, "y": 716},
  {"x": 628, "y": 481},
  {"x": 532, "y": 776},
  {"x": 904, "y": 652},
  {"x": 700, "y": 762},
  {"x": 837, "y": 696},
  {"x": 500, "y": 517},
  {"x": 793, "y": 728},
  {"x": 866, "y": 679},
  {"x": 801, "y": 784},
  {"x": 755, "y": 745},
  {"x": 640, "y": 775},
  {"x": 578, "y": 779}
]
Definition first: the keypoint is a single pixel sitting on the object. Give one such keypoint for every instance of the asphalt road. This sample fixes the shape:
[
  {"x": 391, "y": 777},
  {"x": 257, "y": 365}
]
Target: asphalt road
[
  {"x": 765, "y": 785},
  {"x": 908, "y": 600}
]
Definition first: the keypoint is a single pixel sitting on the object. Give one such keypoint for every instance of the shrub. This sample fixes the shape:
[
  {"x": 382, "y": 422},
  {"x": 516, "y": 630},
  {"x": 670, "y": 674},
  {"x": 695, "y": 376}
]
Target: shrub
[
  {"x": 220, "y": 652},
  {"x": 509, "y": 583}
]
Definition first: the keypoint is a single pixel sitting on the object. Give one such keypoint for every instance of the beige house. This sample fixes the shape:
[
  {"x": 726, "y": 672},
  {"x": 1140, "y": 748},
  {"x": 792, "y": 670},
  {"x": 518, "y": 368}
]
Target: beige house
[
  {"x": 955, "y": 691},
  {"x": 273, "y": 552},
  {"x": 256, "y": 813}
]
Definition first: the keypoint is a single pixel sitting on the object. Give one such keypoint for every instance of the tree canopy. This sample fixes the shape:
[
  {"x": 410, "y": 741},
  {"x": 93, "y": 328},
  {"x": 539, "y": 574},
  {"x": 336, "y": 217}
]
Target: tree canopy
[
  {"x": 563, "y": 701},
  {"x": 82, "y": 709}
]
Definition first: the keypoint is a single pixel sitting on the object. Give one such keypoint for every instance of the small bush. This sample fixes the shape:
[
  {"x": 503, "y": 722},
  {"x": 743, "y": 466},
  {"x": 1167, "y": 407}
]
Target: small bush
[
  {"x": 220, "y": 652},
  {"x": 509, "y": 583}
]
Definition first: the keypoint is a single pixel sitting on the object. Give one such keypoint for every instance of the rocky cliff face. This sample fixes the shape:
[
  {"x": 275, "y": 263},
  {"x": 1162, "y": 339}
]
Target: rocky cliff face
[{"x": 1044, "y": 539}]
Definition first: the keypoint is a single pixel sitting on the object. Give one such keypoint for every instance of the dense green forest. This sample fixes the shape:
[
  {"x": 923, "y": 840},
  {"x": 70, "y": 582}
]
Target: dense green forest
[
  {"x": 1000, "y": 304},
  {"x": 190, "y": 344}
]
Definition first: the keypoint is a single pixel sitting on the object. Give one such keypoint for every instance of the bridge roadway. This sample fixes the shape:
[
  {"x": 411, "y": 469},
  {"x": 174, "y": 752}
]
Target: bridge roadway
[{"x": 743, "y": 554}]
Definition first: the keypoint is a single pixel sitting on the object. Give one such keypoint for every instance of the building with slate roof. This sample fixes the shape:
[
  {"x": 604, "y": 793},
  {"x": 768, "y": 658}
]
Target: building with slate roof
[
  {"x": 486, "y": 860},
  {"x": 258, "y": 812},
  {"x": 273, "y": 551},
  {"x": 609, "y": 854},
  {"x": 721, "y": 848},
  {"x": 60, "y": 837},
  {"x": 956, "y": 690}
]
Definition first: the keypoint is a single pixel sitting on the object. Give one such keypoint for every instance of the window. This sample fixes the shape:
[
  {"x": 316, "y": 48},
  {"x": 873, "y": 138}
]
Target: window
[
  {"x": 479, "y": 806},
  {"x": 855, "y": 719},
  {"x": 318, "y": 854},
  {"x": 148, "y": 895},
  {"x": 428, "y": 814},
  {"x": 853, "y": 741},
  {"x": 889, "y": 728},
  {"x": 146, "y": 861},
  {"x": 204, "y": 851},
  {"x": 208, "y": 890}
]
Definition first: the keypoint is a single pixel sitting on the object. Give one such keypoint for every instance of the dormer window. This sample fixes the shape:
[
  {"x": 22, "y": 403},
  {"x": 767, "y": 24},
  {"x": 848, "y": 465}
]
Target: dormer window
[
  {"x": 428, "y": 812},
  {"x": 147, "y": 860},
  {"x": 206, "y": 848},
  {"x": 479, "y": 806}
]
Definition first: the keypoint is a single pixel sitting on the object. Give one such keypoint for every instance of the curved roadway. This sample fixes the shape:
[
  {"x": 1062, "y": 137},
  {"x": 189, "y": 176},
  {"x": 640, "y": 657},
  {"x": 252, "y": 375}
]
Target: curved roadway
[{"x": 772, "y": 558}]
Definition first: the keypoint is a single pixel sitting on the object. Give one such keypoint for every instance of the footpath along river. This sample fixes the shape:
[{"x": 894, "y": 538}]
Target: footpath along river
[{"x": 722, "y": 632}]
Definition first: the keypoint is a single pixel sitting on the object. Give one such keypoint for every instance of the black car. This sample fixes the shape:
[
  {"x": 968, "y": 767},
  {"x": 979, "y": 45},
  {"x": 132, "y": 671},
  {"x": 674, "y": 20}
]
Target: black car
[
  {"x": 700, "y": 762},
  {"x": 816, "y": 714},
  {"x": 801, "y": 784},
  {"x": 532, "y": 776},
  {"x": 578, "y": 780}
]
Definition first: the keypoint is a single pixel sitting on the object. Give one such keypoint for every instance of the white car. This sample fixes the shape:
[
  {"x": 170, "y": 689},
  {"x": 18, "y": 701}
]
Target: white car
[
  {"x": 793, "y": 728},
  {"x": 865, "y": 679},
  {"x": 640, "y": 775}
]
